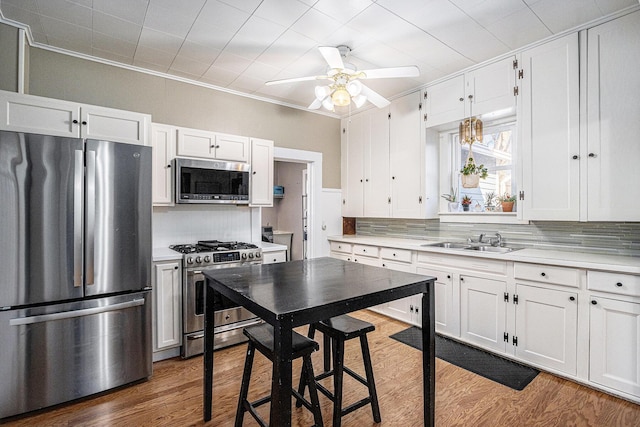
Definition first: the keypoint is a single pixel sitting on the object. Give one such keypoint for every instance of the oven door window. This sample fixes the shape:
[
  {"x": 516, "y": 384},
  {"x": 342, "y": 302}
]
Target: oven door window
[{"x": 220, "y": 302}]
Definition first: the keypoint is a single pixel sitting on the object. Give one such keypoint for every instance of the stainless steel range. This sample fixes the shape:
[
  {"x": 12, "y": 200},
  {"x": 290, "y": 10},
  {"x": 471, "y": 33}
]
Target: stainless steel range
[{"x": 230, "y": 318}]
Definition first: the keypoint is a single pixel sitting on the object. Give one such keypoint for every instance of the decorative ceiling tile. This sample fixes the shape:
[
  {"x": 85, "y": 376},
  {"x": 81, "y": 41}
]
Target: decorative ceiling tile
[
  {"x": 116, "y": 27},
  {"x": 129, "y": 10}
]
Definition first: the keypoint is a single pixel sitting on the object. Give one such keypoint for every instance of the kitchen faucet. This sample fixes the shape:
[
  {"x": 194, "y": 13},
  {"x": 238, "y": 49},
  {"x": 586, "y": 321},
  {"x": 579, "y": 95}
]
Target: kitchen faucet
[{"x": 493, "y": 241}]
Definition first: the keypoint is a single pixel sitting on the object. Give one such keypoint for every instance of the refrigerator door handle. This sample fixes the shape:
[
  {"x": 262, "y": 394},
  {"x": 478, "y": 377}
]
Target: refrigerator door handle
[
  {"x": 75, "y": 313},
  {"x": 78, "y": 203},
  {"x": 91, "y": 216}
]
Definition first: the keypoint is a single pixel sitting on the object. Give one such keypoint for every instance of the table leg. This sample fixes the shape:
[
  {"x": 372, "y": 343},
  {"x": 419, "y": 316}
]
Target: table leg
[
  {"x": 208, "y": 351},
  {"x": 429, "y": 356},
  {"x": 281, "y": 380}
]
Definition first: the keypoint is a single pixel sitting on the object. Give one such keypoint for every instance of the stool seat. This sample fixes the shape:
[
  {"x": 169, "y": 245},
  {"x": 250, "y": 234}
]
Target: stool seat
[
  {"x": 336, "y": 331},
  {"x": 261, "y": 338}
]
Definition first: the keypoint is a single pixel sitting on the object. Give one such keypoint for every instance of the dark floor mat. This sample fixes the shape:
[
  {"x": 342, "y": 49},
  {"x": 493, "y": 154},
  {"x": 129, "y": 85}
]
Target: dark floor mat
[{"x": 495, "y": 368}]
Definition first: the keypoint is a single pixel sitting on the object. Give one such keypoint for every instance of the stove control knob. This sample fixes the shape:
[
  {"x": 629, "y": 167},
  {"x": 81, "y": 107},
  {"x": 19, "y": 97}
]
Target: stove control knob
[
  {"x": 189, "y": 260},
  {"x": 207, "y": 258},
  {"x": 258, "y": 254},
  {"x": 250, "y": 255},
  {"x": 244, "y": 256},
  {"x": 198, "y": 259}
]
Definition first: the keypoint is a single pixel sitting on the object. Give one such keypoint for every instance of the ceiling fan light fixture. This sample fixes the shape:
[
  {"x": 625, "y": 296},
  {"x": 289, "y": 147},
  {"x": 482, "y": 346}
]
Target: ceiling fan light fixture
[
  {"x": 341, "y": 97},
  {"x": 354, "y": 87},
  {"x": 327, "y": 103},
  {"x": 359, "y": 100},
  {"x": 322, "y": 92}
]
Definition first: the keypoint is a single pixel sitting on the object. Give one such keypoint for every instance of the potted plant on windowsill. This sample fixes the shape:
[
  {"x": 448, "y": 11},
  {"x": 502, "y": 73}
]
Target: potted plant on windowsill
[
  {"x": 452, "y": 198},
  {"x": 471, "y": 173},
  {"x": 507, "y": 202},
  {"x": 466, "y": 201}
]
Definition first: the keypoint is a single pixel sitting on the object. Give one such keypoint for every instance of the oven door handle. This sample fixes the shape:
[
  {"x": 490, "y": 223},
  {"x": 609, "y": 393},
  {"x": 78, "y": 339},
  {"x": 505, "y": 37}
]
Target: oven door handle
[{"x": 195, "y": 337}]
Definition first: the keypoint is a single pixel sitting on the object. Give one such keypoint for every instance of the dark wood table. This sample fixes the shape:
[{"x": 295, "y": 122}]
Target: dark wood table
[{"x": 292, "y": 294}]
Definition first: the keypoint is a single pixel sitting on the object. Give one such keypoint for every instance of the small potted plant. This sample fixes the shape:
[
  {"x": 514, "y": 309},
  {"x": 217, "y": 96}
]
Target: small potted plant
[
  {"x": 507, "y": 202},
  {"x": 452, "y": 198},
  {"x": 489, "y": 201},
  {"x": 466, "y": 201},
  {"x": 471, "y": 173}
]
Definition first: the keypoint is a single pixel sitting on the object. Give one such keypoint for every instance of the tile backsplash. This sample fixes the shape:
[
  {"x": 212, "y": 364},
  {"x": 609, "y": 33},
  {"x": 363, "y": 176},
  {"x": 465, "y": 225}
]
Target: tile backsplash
[{"x": 613, "y": 238}]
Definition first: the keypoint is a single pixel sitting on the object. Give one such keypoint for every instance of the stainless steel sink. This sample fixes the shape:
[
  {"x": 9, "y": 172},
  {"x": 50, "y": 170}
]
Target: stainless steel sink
[
  {"x": 448, "y": 245},
  {"x": 472, "y": 247},
  {"x": 494, "y": 249}
]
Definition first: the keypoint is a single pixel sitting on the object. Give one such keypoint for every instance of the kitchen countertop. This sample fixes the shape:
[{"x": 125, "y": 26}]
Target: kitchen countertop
[
  {"x": 165, "y": 254},
  {"x": 592, "y": 261}
]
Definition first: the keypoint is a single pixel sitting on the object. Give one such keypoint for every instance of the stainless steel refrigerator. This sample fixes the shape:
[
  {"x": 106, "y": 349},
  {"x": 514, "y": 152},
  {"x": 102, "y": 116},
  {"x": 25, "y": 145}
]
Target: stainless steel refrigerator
[{"x": 75, "y": 268}]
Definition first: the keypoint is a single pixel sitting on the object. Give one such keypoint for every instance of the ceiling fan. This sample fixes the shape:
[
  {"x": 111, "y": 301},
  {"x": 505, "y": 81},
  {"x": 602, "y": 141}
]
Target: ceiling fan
[{"x": 344, "y": 81}]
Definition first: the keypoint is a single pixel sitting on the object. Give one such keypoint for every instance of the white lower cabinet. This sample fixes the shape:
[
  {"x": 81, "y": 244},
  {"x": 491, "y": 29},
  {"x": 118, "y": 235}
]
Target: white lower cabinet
[
  {"x": 546, "y": 327},
  {"x": 483, "y": 312},
  {"x": 447, "y": 303},
  {"x": 167, "y": 305},
  {"x": 614, "y": 331}
]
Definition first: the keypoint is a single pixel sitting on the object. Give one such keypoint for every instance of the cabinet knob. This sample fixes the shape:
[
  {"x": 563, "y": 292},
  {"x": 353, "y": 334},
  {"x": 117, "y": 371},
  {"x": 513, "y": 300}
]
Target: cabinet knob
[
  {"x": 168, "y": 166},
  {"x": 384, "y": 265},
  {"x": 84, "y": 123},
  {"x": 75, "y": 122},
  {"x": 393, "y": 177},
  {"x": 461, "y": 279},
  {"x": 461, "y": 99},
  {"x": 575, "y": 157},
  {"x": 594, "y": 302},
  {"x": 367, "y": 180},
  {"x": 543, "y": 274},
  {"x": 592, "y": 155},
  {"x": 572, "y": 298},
  {"x": 619, "y": 284},
  {"x": 254, "y": 172},
  {"x": 448, "y": 276},
  {"x": 175, "y": 268}
]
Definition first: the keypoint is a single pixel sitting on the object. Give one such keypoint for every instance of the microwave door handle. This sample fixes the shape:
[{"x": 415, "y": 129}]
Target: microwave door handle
[
  {"x": 91, "y": 216},
  {"x": 78, "y": 203}
]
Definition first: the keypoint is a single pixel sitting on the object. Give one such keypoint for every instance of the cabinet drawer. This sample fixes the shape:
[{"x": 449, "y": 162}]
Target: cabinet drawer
[
  {"x": 463, "y": 263},
  {"x": 399, "y": 266},
  {"x": 274, "y": 257},
  {"x": 615, "y": 283},
  {"x": 341, "y": 247},
  {"x": 547, "y": 274},
  {"x": 401, "y": 255},
  {"x": 366, "y": 250}
]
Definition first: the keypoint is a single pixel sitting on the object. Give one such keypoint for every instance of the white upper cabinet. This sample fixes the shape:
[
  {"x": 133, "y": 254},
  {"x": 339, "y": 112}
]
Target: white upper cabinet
[
  {"x": 612, "y": 151},
  {"x": 261, "y": 172},
  {"x": 484, "y": 90},
  {"x": 163, "y": 141},
  {"x": 35, "y": 114},
  {"x": 407, "y": 157},
  {"x": 212, "y": 145},
  {"x": 549, "y": 130}
]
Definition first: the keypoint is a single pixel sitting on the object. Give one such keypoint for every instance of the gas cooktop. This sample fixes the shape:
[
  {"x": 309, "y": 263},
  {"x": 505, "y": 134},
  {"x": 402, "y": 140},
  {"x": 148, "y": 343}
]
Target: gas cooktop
[
  {"x": 211, "y": 246},
  {"x": 214, "y": 252}
]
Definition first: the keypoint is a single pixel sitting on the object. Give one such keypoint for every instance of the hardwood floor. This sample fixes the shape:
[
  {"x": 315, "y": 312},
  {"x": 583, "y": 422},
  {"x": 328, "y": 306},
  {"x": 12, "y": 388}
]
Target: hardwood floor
[{"x": 173, "y": 396}]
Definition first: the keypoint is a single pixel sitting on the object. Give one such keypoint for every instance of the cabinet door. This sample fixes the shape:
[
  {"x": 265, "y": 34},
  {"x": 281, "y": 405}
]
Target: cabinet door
[
  {"x": 447, "y": 301},
  {"x": 353, "y": 143},
  {"x": 26, "y": 113},
  {"x": 196, "y": 143},
  {"x": 261, "y": 172},
  {"x": 232, "y": 147},
  {"x": 445, "y": 102},
  {"x": 114, "y": 125},
  {"x": 167, "y": 291},
  {"x": 549, "y": 130},
  {"x": 546, "y": 327},
  {"x": 483, "y": 312},
  {"x": 377, "y": 189},
  {"x": 163, "y": 141},
  {"x": 407, "y": 162},
  {"x": 491, "y": 88},
  {"x": 614, "y": 353},
  {"x": 613, "y": 85}
]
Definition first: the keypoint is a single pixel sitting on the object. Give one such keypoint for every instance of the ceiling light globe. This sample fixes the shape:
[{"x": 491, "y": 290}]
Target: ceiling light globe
[
  {"x": 341, "y": 97},
  {"x": 354, "y": 88},
  {"x": 322, "y": 92},
  {"x": 328, "y": 104}
]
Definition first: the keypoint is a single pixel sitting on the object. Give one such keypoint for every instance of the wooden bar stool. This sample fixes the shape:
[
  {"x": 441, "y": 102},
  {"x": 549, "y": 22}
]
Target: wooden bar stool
[
  {"x": 337, "y": 330},
  {"x": 261, "y": 339}
]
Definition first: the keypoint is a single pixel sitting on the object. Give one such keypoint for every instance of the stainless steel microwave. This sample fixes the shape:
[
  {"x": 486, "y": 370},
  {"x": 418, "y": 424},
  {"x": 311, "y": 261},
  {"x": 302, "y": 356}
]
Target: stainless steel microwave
[{"x": 211, "y": 181}]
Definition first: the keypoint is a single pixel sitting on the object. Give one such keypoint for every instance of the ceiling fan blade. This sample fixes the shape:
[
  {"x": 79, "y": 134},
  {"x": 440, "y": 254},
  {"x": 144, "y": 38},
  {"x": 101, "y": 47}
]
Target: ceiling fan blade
[
  {"x": 385, "y": 73},
  {"x": 315, "y": 104},
  {"x": 294, "y": 80},
  {"x": 332, "y": 56},
  {"x": 374, "y": 97}
]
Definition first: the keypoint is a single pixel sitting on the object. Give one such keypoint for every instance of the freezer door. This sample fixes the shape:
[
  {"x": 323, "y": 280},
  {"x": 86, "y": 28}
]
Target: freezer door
[
  {"x": 117, "y": 217},
  {"x": 57, "y": 353},
  {"x": 41, "y": 200}
]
